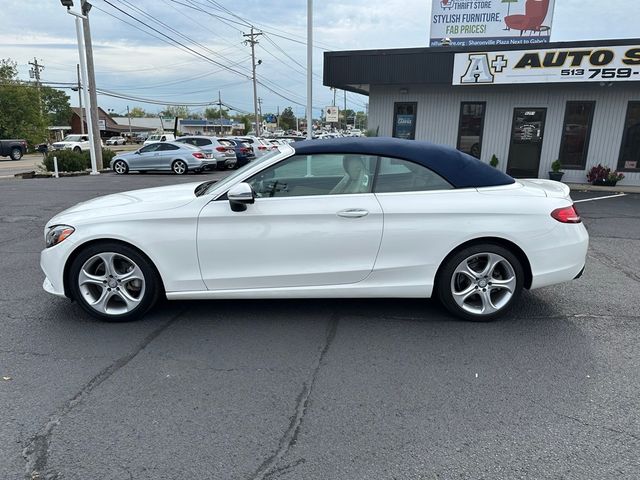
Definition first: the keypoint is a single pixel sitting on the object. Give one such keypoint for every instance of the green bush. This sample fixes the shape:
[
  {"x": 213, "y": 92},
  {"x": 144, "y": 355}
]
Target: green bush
[
  {"x": 70, "y": 161},
  {"x": 494, "y": 161}
]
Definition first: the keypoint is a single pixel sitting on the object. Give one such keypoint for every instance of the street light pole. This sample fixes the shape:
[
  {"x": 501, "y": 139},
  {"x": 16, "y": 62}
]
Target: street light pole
[
  {"x": 85, "y": 93},
  {"x": 309, "y": 69},
  {"x": 91, "y": 83}
]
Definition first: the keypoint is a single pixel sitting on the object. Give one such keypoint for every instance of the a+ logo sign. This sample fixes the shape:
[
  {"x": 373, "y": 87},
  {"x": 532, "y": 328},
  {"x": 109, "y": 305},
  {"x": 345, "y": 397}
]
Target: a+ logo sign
[{"x": 499, "y": 64}]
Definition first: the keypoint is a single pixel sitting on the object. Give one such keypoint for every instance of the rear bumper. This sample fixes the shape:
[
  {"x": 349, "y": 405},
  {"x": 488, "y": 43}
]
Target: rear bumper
[{"x": 561, "y": 257}]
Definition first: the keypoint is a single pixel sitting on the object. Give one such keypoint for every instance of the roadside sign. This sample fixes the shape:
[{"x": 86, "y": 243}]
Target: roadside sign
[{"x": 332, "y": 114}]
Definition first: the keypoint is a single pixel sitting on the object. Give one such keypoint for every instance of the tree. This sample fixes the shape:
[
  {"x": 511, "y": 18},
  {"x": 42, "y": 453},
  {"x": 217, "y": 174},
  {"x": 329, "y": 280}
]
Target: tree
[
  {"x": 137, "y": 112},
  {"x": 55, "y": 104},
  {"x": 288, "y": 119},
  {"x": 180, "y": 111},
  {"x": 20, "y": 112},
  {"x": 246, "y": 120},
  {"x": 213, "y": 113}
]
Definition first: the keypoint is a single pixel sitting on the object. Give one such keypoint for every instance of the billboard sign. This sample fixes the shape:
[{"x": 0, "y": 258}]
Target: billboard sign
[
  {"x": 332, "y": 114},
  {"x": 582, "y": 64},
  {"x": 469, "y": 23},
  {"x": 102, "y": 124}
]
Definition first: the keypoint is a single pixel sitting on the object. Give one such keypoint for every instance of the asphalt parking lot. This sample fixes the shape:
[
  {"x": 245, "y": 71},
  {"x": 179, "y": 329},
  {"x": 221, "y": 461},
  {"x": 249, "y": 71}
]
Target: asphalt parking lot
[{"x": 352, "y": 389}]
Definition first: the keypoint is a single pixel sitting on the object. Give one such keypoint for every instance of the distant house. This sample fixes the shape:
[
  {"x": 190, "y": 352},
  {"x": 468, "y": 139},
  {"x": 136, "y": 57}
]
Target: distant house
[
  {"x": 218, "y": 127},
  {"x": 146, "y": 124},
  {"x": 108, "y": 126}
]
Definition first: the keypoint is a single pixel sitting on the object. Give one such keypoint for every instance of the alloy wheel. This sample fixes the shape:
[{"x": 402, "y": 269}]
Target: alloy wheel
[
  {"x": 120, "y": 167},
  {"x": 483, "y": 283},
  {"x": 179, "y": 167},
  {"x": 111, "y": 283}
]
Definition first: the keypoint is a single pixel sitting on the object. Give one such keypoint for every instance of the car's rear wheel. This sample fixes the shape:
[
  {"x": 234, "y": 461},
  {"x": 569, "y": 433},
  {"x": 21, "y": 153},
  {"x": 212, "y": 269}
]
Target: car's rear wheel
[
  {"x": 120, "y": 167},
  {"x": 77, "y": 149},
  {"x": 481, "y": 282},
  {"x": 113, "y": 282},
  {"x": 179, "y": 167},
  {"x": 16, "y": 154}
]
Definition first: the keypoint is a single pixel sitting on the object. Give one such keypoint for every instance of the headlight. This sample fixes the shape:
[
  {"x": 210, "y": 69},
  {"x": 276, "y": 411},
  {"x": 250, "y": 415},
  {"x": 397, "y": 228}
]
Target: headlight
[{"x": 57, "y": 234}]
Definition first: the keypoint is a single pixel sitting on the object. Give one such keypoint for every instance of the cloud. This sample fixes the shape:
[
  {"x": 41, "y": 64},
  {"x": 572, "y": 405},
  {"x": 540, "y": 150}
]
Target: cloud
[{"x": 133, "y": 60}]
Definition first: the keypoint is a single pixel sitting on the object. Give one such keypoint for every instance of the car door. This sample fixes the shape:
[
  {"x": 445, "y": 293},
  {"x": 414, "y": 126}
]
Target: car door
[
  {"x": 424, "y": 219},
  {"x": 299, "y": 232},
  {"x": 147, "y": 157},
  {"x": 166, "y": 155}
]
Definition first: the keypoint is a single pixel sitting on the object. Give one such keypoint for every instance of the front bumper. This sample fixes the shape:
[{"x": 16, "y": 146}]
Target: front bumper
[{"x": 52, "y": 261}]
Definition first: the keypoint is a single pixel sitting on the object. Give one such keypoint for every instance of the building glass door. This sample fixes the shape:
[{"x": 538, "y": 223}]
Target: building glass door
[{"x": 525, "y": 147}]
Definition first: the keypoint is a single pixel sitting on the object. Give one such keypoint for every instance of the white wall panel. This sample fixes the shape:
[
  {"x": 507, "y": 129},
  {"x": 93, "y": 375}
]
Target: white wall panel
[{"x": 439, "y": 109}]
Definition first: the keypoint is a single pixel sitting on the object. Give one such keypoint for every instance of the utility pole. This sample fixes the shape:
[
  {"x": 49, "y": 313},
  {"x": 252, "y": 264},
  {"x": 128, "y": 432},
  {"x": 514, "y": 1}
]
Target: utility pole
[
  {"x": 220, "y": 110},
  {"x": 80, "y": 100},
  {"x": 35, "y": 73},
  {"x": 129, "y": 116},
  {"x": 252, "y": 41},
  {"x": 309, "y": 69},
  {"x": 346, "y": 120},
  {"x": 278, "y": 118},
  {"x": 260, "y": 111},
  {"x": 91, "y": 85}
]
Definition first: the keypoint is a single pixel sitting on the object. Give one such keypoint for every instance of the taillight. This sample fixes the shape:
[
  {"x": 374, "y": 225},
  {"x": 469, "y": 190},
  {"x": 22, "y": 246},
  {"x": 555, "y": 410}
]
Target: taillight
[
  {"x": 244, "y": 150},
  {"x": 221, "y": 149},
  {"x": 198, "y": 155},
  {"x": 262, "y": 147},
  {"x": 566, "y": 215}
]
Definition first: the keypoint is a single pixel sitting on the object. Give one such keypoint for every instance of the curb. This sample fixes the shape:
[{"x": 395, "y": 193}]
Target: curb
[{"x": 33, "y": 174}]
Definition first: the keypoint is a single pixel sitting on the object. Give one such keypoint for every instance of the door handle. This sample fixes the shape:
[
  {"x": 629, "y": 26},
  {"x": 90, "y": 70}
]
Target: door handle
[{"x": 353, "y": 213}]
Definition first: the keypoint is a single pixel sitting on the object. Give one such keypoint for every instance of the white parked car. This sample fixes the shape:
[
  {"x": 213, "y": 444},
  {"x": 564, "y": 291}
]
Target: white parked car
[
  {"x": 366, "y": 218},
  {"x": 260, "y": 146},
  {"x": 116, "y": 141},
  {"x": 159, "y": 137},
  {"x": 77, "y": 143}
]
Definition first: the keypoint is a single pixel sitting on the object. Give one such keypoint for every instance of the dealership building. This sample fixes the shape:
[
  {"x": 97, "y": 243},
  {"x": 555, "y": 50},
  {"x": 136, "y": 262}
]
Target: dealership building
[{"x": 529, "y": 105}]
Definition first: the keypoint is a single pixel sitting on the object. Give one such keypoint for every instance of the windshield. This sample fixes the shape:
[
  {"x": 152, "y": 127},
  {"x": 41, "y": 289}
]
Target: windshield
[
  {"x": 72, "y": 138},
  {"x": 154, "y": 137},
  {"x": 230, "y": 179}
]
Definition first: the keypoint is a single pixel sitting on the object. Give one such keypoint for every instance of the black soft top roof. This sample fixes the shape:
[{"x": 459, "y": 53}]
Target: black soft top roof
[{"x": 459, "y": 169}]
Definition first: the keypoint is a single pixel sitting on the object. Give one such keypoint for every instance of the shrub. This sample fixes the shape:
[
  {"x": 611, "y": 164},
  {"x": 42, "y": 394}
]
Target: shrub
[
  {"x": 556, "y": 166},
  {"x": 599, "y": 173},
  {"x": 494, "y": 161},
  {"x": 70, "y": 161}
]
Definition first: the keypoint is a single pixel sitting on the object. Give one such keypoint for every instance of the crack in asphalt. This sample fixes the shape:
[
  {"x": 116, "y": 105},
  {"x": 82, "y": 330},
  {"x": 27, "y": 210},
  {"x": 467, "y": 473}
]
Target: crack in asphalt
[
  {"x": 269, "y": 466},
  {"x": 611, "y": 262},
  {"x": 36, "y": 452},
  {"x": 587, "y": 424}
]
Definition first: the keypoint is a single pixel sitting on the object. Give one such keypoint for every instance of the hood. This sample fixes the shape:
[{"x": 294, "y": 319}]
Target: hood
[{"x": 127, "y": 203}]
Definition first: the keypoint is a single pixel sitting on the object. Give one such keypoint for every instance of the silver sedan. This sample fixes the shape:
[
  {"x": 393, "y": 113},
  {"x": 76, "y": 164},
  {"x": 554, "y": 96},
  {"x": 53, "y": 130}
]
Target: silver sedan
[{"x": 176, "y": 157}]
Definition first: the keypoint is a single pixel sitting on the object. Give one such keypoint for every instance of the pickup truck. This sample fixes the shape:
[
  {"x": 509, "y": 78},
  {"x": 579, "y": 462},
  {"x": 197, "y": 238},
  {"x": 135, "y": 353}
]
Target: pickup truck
[{"x": 13, "y": 148}]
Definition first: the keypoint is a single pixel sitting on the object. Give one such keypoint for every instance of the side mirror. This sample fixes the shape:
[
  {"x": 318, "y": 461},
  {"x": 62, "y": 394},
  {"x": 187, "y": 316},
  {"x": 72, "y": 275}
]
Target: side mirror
[{"x": 240, "y": 196}]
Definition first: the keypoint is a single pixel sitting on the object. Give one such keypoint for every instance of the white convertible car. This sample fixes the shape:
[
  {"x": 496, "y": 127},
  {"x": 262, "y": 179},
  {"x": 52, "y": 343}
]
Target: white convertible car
[{"x": 351, "y": 217}]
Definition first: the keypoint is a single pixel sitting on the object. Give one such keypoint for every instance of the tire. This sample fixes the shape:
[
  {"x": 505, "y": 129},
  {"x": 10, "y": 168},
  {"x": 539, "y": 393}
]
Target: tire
[
  {"x": 16, "y": 153},
  {"x": 480, "y": 283},
  {"x": 113, "y": 282},
  {"x": 120, "y": 167},
  {"x": 77, "y": 149},
  {"x": 179, "y": 167}
]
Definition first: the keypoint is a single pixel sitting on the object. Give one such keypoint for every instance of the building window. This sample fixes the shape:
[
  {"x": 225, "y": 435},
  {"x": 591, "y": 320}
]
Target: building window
[
  {"x": 404, "y": 120},
  {"x": 471, "y": 127},
  {"x": 630, "y": 151},
  {"x": 575, "y": 134}
]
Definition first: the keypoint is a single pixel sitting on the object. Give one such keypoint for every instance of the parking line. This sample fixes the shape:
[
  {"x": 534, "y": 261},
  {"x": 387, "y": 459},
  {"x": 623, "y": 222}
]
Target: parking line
[{"x": 600, "y": 198}]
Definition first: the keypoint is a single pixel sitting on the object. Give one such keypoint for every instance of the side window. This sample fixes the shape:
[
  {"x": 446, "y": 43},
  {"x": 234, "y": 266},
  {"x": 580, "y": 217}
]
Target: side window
[
  {"x": 395, "y": 175},
  {"x": 325, "y": 174},
  {"x": 152, "y": 147},
  {"x": 168, "y": 146},
  {"x": 201, "y": 142}
]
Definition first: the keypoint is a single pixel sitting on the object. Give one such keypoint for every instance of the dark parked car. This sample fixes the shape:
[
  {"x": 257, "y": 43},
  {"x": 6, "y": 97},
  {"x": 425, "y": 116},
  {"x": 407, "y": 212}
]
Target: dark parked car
[
  {"x": 13, "y": 148},
  {"x": 244, "y": 151}
]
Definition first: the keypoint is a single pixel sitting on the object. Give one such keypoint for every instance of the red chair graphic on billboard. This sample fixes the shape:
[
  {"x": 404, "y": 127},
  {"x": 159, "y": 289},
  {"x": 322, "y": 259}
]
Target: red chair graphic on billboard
[
  {"x": 446, "y": 4},
  {"x": 535, "y": 11}
]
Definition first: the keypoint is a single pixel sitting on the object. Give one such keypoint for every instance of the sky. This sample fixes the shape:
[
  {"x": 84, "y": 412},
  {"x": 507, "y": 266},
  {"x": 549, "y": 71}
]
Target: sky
[{"x": 134, "y": 61}]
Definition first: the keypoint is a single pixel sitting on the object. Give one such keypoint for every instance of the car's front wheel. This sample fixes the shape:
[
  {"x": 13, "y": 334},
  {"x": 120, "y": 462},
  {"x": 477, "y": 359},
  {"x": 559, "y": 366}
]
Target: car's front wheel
[
  {"x": 113, "y": 282},
  {"x": 179, "y": 167},
  {"x": 481, "y": 282},
  {"x": 120, "y": 167}
]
